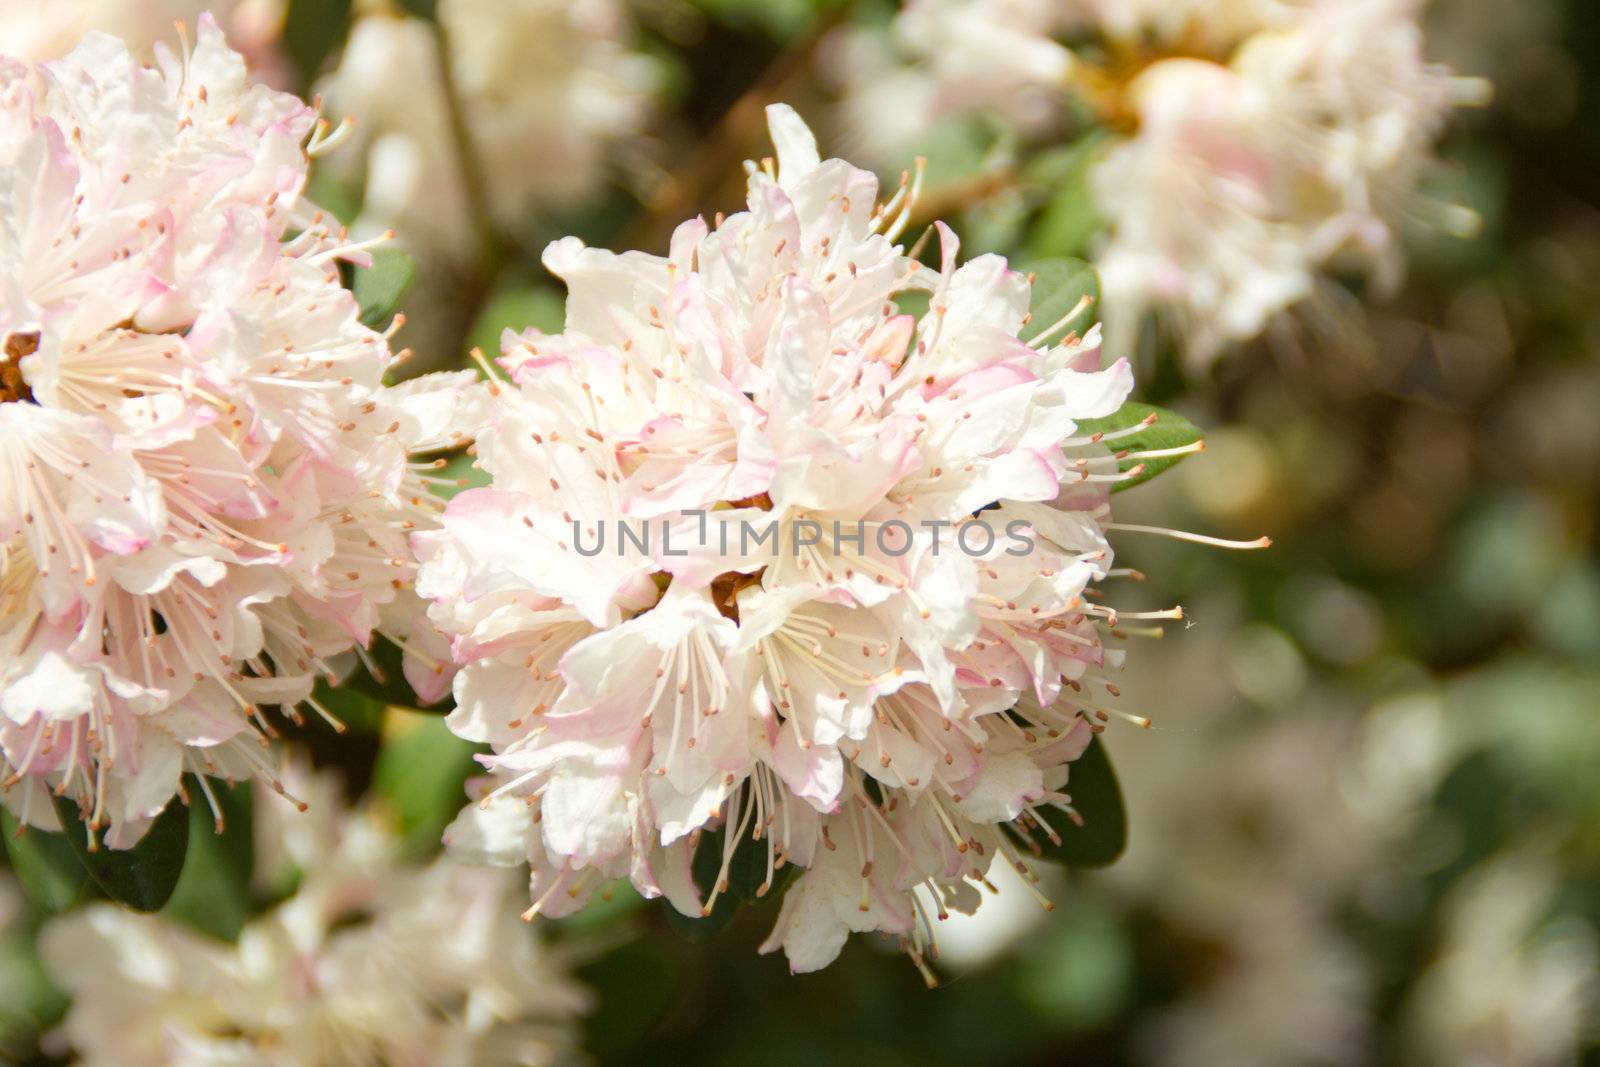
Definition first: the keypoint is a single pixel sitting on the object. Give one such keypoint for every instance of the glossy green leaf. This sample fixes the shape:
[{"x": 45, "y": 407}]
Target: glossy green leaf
[
  {"x": 913, "y": 302},
  {"x": 379, "y": 288},
  {"x": 45, "y": 865},
  {"x": 421, "y": 774},
  {"x": 462, "y": 470},
  {"x": 1097, "y": 799},
  {"x": 1169, "y": 431},
  {"x": 213, "y": 892},
  {"x": 608, "y": 908},
  {"x": 142, "y": 877},
  {"x": 1070, "y": 218},
  {"x": 636, "y": 985},
  {"x": 1058, "y": 287},
  {"x": 384, "y": 681},
  {"x": 747, "y": 871},
  {"x": 355, "y": 710},
  {"x": 516, "y": 308},
  {"x": 336, "y": 192}
]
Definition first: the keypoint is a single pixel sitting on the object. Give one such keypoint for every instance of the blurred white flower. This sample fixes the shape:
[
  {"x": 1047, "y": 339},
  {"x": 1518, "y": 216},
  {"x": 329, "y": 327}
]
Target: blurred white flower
[
  {"x": 1264, "y": 142},
  {"x": 1189, "y": 200},
  {"x": 1279, "y": 846},
  {"x": 1008, "y": 58},
  {"x": 1511, "y": 983},
  {"x": 371, "y": 961},
  {"x": 1404, "y": 750},
  {"x": 37, "y": 30},
  {"x": 546, "y": 87},
  {"x": 1287, "y": 990},
  {"x": 207, "y": 492},
  {"x": 994, "y": 56},
  {"x": 889, "y": 704}
]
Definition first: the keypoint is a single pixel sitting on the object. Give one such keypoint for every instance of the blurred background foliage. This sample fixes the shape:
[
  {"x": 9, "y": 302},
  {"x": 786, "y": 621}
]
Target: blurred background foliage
[{"x": 1365, "y": 827}]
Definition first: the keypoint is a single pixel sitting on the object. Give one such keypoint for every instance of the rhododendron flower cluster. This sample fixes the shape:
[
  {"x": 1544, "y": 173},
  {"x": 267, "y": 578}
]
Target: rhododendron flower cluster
[
  {"x": 1245, "y": 180},
  {"x": 372, "y": 960},
  {"x": 770, "y": 564},
  {"x": 205, "y": 493},
  {"x": 1261, "y": 142},
  {"x": 995, "y": 56}
]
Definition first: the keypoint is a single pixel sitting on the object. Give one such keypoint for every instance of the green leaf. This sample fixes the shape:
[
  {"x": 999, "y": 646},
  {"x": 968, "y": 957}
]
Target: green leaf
[
  {"x": 516, "y": 308},
  {"x": 782, "y": 20},
  {"x": 142, "y": 877},
  {"x": 913, "y": 302},
  {"x": 355, "y": 709},
  {"x": 312, "y": 30},
  {"x": 338, "y": 194},
  {"x": 421, "y": 774},
  {"x": 45, "y": 865},
  {"x": 636, "y": 985},
  {"x": 1169, "y": 430},
  {"x": 747, "y": 870},
  {"x": 380, "y": 288},
  {"x": 459, "y": 468},
  {"x": 1097, "y": 798},
  {"x": 423, "y": 9},
  {"x": 611, "y": 906},
  {"x": 1058, "y": 286},
  {"x": 213, "y": 892},
  {"x": 32, "y": 1004},
  {"x": 1070, "y": 219},
  {"x": 387, "y": 685},
  {"x": 955, "y": 151},
  {"x": 1079, "y": 972}
]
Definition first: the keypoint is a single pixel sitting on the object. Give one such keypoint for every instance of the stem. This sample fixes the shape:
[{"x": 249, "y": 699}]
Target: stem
[
  {"x": 471, "y": 168},
  {"x": 959, "y": 195}
]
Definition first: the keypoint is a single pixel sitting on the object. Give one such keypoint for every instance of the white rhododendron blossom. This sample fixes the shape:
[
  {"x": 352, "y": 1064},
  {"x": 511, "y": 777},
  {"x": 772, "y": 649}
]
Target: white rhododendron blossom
[
  {"x": 1264, "y": 141},
  {"x": 545, "y": 88},
  {"x": 771, "y": 569},
  {"x": 994, "y": 56},
  {"x": 371, "y": 960},
  {"x": 1244, "y": 181},
  {"x": 1012, "y": 58},
  {"x": 205, "y": 494}
]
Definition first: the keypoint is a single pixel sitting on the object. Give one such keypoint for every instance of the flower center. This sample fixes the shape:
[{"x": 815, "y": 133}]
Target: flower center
[
  {"x": 761, "y": 502},
  {"x": 13, "y": 386},
  {"x": 725, "y": 587},
  {"x": 725, "y": 590}
]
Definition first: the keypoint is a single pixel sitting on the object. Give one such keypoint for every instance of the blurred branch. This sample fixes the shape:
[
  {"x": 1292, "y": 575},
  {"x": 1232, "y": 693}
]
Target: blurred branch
[
  {"x": 472, "y": 179},
  {"x": 958, "y": 196},
  {"x": 692, "y": 183}
]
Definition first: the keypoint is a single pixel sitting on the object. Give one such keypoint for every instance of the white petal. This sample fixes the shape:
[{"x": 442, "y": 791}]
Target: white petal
[
  {"x": 496, "y": 834},
  {"x": 796, "y": 144}
]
